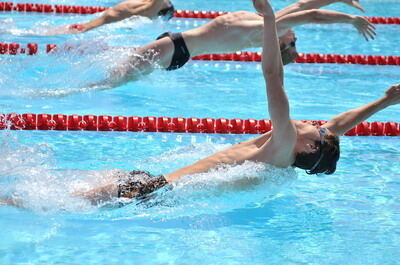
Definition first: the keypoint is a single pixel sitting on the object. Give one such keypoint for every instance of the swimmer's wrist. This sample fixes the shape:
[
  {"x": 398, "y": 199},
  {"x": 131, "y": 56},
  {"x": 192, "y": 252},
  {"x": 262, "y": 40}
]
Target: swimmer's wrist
[
  {"x": 353, "y": 19},
  {"x": 384, "y": 102}
]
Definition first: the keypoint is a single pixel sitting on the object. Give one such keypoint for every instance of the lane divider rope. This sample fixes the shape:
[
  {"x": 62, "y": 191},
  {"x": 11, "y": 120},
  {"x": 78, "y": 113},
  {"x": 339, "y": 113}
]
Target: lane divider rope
[
  {"x": 33, "y": 48},
  {"x": 61, "y": 122},
  {"x": 65, "y": 9}
]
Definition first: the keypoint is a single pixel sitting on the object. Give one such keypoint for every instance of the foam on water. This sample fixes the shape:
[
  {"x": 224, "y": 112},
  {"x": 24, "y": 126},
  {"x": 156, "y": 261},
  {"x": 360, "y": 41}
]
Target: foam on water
[
  {"x": 77, "y": 69},
  {"x": 222, "y": 189},
  {"x": 30, "y": 178}
]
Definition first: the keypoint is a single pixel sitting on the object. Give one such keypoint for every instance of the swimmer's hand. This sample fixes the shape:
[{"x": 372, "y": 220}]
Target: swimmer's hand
[
  {"x": 70, "y": 29},
  {"x": 76, "y": 28},
  {"x": 392, "y": 95},
  {"x": 263, "y": 7},
  {"x": 353, "y": 3},
  {"x": 364, "y": 27}
]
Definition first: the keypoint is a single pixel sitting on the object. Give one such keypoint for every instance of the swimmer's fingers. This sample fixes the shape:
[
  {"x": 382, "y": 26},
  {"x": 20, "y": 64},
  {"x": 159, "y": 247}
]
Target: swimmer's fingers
[
  {"x": 368, "y": 34},
  {"x": 357, "y": 5},
  {"x": 371, "y": 30},
  {"x": 393, "y": 94},
  {"x": 371, "y": 33},
  {"x": 354, "y": 3},
  {"x": 365, "y": 35},
  {"x": 364, "y": 27},
  {"x": 362, "y": 31},
  {"x": 370, "y": 24}
]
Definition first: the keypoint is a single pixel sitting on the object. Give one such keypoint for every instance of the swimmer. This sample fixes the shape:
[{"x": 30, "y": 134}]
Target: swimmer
[
  {"x": 230, "y": 33},
  {"x": 291, "y": 143},
  {"x": 123, "y": 10}
]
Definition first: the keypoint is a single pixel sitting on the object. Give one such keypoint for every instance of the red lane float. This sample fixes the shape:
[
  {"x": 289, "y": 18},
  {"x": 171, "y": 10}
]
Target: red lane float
[
  {"x": 65, "y": 9},
  {"x": 214, "y": 14},
  {"x": 32, "y": 48},
  {"x": 307, "y": 58},
  {"x": 45, "y": 8},
  {"x": 61, "y": 122}
]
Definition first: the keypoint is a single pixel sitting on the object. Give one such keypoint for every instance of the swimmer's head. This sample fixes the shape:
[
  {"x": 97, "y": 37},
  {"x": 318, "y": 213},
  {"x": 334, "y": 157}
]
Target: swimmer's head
[
  {"x": 320, "y": 153},
  {"x": 287, "y": 44}
]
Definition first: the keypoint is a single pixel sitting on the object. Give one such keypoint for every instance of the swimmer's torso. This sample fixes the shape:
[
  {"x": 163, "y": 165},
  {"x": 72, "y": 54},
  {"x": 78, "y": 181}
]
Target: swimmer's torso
[
  {"x": 260, "y": 149},
  {"x": 231, "y": 32}
]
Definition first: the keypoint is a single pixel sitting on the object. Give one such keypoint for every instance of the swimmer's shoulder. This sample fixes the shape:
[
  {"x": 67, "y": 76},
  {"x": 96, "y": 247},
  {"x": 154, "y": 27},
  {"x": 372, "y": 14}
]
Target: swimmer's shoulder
[
  {"x": 247, "y": 15},
  {"x": 239, "y": 16}
]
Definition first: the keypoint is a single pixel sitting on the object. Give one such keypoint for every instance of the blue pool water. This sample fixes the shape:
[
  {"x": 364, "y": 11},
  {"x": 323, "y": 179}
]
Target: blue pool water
[{"x": 280, "y": 217}]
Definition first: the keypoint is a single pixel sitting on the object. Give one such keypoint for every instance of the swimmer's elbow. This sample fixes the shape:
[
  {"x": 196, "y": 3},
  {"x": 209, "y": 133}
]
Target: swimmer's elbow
[{"x": 272, "y": 71}]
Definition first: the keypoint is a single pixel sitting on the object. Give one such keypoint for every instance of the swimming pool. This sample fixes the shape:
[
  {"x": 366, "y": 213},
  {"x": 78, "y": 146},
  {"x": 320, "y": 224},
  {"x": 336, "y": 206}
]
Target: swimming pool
[{"x": 351, "y": 217}]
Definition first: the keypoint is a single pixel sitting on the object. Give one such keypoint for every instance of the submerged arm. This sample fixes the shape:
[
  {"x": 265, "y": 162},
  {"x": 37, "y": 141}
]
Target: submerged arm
[
  {"x": 347, "y": 120},
  {"x": 316, "y": 16},
  {"x": 303, "y": 5}
]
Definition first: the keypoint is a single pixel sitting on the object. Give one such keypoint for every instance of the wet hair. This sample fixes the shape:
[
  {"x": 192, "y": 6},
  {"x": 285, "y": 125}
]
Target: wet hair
[
  {"x": 287, "y": 55},
  {"x": 167, "y": 13},
  {"x": 323, "y": 160}
]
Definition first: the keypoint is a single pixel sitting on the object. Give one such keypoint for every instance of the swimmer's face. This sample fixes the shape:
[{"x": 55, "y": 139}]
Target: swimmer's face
[
  {"x": 288, "y": 46},
  {"x": 309, "y": 141},
  {"x": 317, "y": 150}
]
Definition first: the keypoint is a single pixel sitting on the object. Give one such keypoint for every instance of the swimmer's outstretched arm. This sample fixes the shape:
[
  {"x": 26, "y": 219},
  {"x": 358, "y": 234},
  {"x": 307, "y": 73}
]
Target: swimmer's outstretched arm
[
  {"x": 317, "y": 16},
  {"x": 284, "y": 135},
  {"x": 303, "y": 5},
  {"x": 347, "y": 120},
  {"x": 123, "y": 10}
]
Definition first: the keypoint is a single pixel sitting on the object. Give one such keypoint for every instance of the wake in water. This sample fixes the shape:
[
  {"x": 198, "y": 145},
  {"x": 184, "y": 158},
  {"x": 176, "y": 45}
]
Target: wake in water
[
  {"x": 29, "y": 178},
  {"x": 75, "y": 67}
]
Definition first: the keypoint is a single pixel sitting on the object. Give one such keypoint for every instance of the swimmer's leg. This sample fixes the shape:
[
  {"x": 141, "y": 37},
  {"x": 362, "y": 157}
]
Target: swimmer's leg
[{"x": 143, "y": 62}]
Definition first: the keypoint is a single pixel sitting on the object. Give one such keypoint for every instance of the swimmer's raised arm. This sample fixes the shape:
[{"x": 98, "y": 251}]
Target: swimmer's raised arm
[
  {"x": 284, "y": 133},
  {"x": 303, "y": 5},
  {"x": 316, "y": 16},
  {"x": 347, "y": 120}
]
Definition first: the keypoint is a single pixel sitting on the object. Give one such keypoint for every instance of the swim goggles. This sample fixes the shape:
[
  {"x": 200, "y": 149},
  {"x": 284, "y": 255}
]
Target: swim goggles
[
  {"x": 322, "y": 133},
  {"x": 290, "y": 45}
]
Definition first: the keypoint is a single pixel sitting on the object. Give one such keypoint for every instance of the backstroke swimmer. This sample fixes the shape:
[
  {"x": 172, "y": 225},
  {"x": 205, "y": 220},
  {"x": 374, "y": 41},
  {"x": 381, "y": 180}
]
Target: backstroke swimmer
[
  {"x": 291, "y": 143},
  {"x": 145, "y": 8},
  {"x": 230, "y": 33}
]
